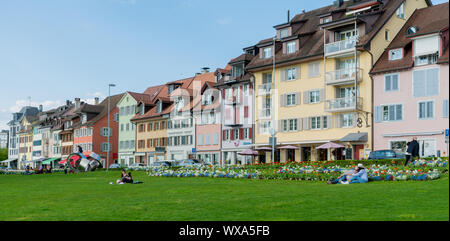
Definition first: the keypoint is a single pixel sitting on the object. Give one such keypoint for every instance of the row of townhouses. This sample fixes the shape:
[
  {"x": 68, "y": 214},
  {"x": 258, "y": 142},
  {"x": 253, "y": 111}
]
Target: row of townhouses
[{"x": 368, "y": 75}]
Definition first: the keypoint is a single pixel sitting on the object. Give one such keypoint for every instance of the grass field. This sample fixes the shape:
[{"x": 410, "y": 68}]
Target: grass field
[{"x": 89, "y": 196}]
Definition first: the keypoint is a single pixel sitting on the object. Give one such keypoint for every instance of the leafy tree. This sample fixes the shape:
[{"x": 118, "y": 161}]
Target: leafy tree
[{"x": 3, "y": 154}]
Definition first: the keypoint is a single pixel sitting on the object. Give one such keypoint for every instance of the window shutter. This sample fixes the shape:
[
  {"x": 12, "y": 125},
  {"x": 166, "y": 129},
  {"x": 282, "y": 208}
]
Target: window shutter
[
  {"x": 284, "y": 48},
  {"x": 282, "y": 100},
  {"x": 399, "y": 112},
  {"x": 231, "y": 134},
  {"x": 297, "y": 72},
  {"x": 419, "y": 83},
  {"x": 241, "y": 94},
  {"x": 329, "y": 122},
  {"x": 322, "y": 95},
  {"x": 223, "y": 135},
  {"x": 432, "y": 82},
  {"x": 297, "y": 98},
  {"x": 300, "y": 124},
  {"x": 281, "y": 125},
  {"x": 250, "y": 133},
  {"x": 377, "y": 114},
  {"x": 355, "y": 119},
  {"x": 283, "y": 75},
  {"x": 306, "y": 97},
  {"x": 387, "y": 83},
  {"x": 395, "y": 82},
  {"x": 306, "y": 122},
  {"x": 337, "y": 121},
  {"x": 241, "y": 134},
  {"x": 445, "y": 108}
]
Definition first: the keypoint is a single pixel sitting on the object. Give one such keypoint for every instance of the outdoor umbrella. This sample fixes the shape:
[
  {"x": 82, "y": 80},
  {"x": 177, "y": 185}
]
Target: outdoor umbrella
[
  {"x": 264, "y": 149},
  {"x": 288, "y": 147},
  {"x": 248, "y": 152},
  {"x": 330, "y": 145}
]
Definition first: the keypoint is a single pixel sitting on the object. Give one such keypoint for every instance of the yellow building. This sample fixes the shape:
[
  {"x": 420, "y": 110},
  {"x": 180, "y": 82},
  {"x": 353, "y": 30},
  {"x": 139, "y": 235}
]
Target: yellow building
[
  {"x": 321, "y": 58},
  {"x": 25, "y": 141}
]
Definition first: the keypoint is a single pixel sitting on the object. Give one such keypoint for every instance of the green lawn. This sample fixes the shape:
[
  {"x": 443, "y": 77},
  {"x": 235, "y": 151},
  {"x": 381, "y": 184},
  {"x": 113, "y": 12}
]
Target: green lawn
[{"x": 89, "y": 196}]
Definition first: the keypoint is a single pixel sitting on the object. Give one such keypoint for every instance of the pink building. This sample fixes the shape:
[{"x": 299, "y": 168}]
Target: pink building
[{"x": 411, "y": 85}]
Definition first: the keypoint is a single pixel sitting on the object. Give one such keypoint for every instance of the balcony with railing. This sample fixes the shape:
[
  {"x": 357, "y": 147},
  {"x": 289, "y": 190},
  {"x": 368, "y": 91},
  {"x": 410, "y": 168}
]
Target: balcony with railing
[
  {"x": 265, "y": 88},
  {"x": 426, "y": 59},
  {"x": 341, "y": 47},
  {"x": 343, "y": 76},
  {"x": 343, "y": 104}
]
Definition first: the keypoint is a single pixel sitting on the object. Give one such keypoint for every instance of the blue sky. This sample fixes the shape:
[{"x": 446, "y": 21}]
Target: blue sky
[{"x": 53, "y": 50}]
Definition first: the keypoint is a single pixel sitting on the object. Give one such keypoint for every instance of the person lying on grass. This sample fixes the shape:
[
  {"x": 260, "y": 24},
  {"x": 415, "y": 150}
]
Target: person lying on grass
[
  {"x": 345, "y": 177},
  {"x": 360, "y": 177}
]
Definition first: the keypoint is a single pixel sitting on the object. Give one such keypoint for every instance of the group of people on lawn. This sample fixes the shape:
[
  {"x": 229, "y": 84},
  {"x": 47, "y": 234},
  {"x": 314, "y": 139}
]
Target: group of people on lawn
[{"x": 359, "y": 174}]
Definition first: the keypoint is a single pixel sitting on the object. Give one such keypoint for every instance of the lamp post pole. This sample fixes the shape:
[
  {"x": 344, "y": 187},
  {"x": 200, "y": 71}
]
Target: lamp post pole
[
  {"x": 273, "y": 131},
  {"x": 109, "y": 128}
]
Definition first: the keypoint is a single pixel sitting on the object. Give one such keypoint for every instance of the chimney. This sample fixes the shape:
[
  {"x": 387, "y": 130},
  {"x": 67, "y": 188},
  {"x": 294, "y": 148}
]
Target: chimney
[
  {"x": 303, "y": 11},
  {"x": 205, "y": 70},
  {"x": 41, "y": 108},
  {"x": 77, "y": 103},
  {"x": 97, "y": 100},
  {"x": 288, "y": 16},
  {"x": 68, "y": 102}
]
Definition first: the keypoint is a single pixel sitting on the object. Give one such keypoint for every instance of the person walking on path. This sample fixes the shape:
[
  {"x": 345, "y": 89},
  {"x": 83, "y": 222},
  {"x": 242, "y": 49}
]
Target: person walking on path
[{"x": 413, "y": 150}]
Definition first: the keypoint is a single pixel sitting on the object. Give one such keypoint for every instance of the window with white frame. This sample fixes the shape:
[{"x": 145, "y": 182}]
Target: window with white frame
[
  {"x": 314, "y": 69},
  {"x": 400, "y": 12},
  {"x": 314, "y": 96},
  {"x": 293, "y": 124},
  {"x": 207, "y": 139},
  {"x": 284, "y": 33},
  {"x": 392, "y": 112},
  {"x": 395, "y": 54},
  {"x": 236, "y": 134},
  {"x": 291, "y": 73},
  {"x": 315, "y": 123},
  {"x": 105, "y": 131},
  {"x": 426, "y": 82},
  {"x": 267, "y": 52},
  {"x": 291, "y": 47},
  {"x": 106, "y": 147},
  {"x": 246, "y": 89},
  {"x": 200, "y": 139},
  {"x": 290, "y": 99},
  {"x": 391, "y": 82},
  {"x": 227, "y": 135},
  {"x": 215, "y": 139},
  {"x": 347, "y": 120},
  {"x": 325, "y": 122},
  {"x": 265, "y": 127},
  {"x": 246, "y": 133},
  {"x": 83, "y": 118},
  {"x": 426, "y": 110}
]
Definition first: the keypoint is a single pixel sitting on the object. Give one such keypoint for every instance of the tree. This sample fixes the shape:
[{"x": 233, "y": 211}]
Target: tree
[{"x": 3, "y": 154}]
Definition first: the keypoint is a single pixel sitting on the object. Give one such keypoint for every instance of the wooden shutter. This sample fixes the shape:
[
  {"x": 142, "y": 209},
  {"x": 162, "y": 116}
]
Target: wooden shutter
[
  {"x": 282, "y": 100},
  {"x": 338, "y": 121},
  {"x": 250, "y": 133},
  {"x": 283, "y": 74},
  {"x": 322, "y": 95},
  {"x": 284, "y": 48},
  {"x": 445, "y": 108},
  {"x": 231, "y": 134},
  {"x": 297, "y": 71},
  {"x": 355, "y": 119},
  {"x": 223, "y": 135},
  {"x": 241, "y": 134},
  {"x": 297, "y": 98},
  {"x": 299, "y": 124},
  {"x": 281, "y": 125},
  {"x": 306, "y": 122},
  {"x": 377, "y": 114},
  {"x": 329, "y": 121},
  {"x": 306, "y": 97}
]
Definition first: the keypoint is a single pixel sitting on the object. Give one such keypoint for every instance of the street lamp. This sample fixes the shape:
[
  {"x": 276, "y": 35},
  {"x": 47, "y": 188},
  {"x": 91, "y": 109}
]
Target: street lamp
[
  {"x": 273, "y": 132},
  {"x": 109, "y": 129}
]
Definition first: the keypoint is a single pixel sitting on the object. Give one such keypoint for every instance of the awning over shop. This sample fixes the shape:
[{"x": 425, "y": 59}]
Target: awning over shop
[
  {"x": 355, "y": 137},
  {"x": 49, "y": 161},
  {"x": 37, "y": 160},
  {"x": 9, "y": 160}
]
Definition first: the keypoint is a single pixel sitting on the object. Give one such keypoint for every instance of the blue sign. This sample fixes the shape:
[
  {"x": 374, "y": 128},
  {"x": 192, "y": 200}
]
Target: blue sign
[
  {"x": 447, "y": 132},
  {"x": 194, "y": 150}
]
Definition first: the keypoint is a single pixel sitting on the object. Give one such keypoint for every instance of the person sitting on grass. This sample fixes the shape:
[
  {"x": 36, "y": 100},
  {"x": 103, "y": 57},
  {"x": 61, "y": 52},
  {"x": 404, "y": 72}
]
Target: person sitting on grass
[
  {"x": 345, "y": 177},
  {"x": 360, "y": 177},
  {"x": 125, "y": 178}
]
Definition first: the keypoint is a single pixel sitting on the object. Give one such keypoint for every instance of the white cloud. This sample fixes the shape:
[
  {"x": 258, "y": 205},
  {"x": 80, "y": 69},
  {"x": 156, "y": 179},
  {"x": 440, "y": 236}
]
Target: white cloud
[
  {"x": 91, "y": 97},
  {"x": 48, "y": 104}
]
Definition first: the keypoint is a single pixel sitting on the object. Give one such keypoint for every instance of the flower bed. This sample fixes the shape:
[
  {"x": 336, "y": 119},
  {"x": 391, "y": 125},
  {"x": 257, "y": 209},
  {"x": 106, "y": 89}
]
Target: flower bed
[{"x": 311, "y": 171}]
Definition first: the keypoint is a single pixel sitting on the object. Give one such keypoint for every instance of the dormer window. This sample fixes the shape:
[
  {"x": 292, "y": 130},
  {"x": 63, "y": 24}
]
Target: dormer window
[
  {"x": 171, "y": 88},
  {"x": 237, "y": 71},
  {"x": 291, "y": 47},
  {"x": 267, "y": 52},
  {"x": 284, "y": 33},
  {"x": 159, "y": 107},
  {"x": 426, "y": 50},
  {"x": 83, "y": 118},
  {"x": 411, "y": 30},
  {"x": 401, "y": 11},
  {"x": 179, "y": 103},
  {"x": 142, "y": 109},
  {"x": 395, "y": 54}
]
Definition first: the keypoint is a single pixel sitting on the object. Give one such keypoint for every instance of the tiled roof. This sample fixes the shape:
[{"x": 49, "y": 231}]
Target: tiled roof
[
  {"x": 306, "y": 27},
  {"x": 104, "y": 108},
  {"x": 428, "y": 20},
  {"x": 144, "y": 98}
]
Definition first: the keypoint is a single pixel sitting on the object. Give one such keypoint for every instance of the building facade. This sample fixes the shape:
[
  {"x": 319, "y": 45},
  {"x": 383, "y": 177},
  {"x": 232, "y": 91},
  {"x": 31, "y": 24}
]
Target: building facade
[
  {"x": 4, "y": 139},
  {"x": 411, "y": 85},
  {"x": 320, "y": 90},
  {"x": 14, "y": 127}
]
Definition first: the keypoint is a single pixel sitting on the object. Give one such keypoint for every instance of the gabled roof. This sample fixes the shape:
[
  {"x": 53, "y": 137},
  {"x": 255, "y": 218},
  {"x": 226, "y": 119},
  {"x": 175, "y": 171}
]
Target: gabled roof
[
  {"x": 102, "y": 108},
  {"x": 307, "y": 28},
  {"x": 428, "y": 21}
]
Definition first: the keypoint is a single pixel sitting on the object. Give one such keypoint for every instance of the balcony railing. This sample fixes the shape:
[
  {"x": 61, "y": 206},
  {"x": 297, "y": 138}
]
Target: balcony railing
[
  {"x": 264, "y": 113},
  {"x": 343, "y": 104},
  {"x": 265, "y": 88},
  {"x": 341, "y": 46},
  {"x": 343, "y": 76},
  {"x": 426, "y": 59}
]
